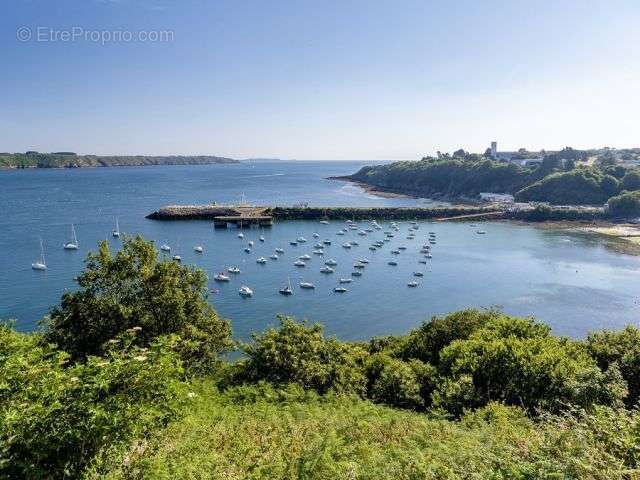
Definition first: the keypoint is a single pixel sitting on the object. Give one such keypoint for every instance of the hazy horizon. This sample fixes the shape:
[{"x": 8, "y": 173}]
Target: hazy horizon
[{"x": 380, "y": 80}]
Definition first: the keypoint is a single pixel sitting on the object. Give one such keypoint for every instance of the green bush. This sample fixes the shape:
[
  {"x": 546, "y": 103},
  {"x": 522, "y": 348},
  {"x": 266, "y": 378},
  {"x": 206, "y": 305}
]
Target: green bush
[
  {"x": 579, "y": 186},
  {"x": 517, "y": 362},
  {"x": 399, "y": 384},
  {"x": 300, "y": 353},
  {"x": 631, "y": 180},
  {"x": 627, "y": 204},
  {"x": 621, "y": 349},
  {"x": 426, "y": 342},
  {"x": 133, "y": 288},
  {"x": 56, "y": 418}
]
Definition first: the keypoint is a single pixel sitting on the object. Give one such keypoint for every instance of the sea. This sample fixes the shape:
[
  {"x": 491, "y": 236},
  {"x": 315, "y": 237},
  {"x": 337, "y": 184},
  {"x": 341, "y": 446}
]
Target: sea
[{"x": 572, "y": 281}]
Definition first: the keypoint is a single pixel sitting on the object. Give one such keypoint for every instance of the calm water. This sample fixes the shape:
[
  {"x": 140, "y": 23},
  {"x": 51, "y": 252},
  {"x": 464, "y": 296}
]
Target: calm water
[{"x": 572, "y": 282}]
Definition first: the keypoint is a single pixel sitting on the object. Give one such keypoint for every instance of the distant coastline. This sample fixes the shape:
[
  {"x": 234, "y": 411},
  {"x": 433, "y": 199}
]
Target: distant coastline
[{"x": 73, "y": 160}]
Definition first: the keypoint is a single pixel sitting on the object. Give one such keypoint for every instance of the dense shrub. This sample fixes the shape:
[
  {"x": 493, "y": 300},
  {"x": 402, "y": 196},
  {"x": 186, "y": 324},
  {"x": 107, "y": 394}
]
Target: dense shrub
[
  {"x": 623, "y": 350},
  {"x": 300, "y": 353},
  {"x": 426, "y": 342},
  {"x": 516, "y": 361},
  {"x": 627, "y": 204},
  {"x": 56, "y": 418},
  {"x": 579, "y": 186},
  {"x": 399, "y": 384},
  {"x": 631, "y": 181},
  {"x": 133, "y": 288}
]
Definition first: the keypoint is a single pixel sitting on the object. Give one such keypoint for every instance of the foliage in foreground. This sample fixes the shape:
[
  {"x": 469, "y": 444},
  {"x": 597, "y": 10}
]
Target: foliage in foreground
[
  {"x": 259, "y": 432},
  {"x": 134, "y": 289},
  {"x": 57, "y": 417},
  {"x": 464, "y": 360}
]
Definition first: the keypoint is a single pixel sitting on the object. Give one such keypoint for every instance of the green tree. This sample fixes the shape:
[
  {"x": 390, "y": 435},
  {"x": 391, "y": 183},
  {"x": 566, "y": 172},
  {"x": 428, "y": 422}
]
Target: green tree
[
  {"x": 631, "y": 181},
  {"x": 300, "y": 353},
  {"x": 610, "y": 185},
  {"x": 516, "y": 361},
  {"x": 627, "y": 204},
  {"x": 134, "y": 289}
]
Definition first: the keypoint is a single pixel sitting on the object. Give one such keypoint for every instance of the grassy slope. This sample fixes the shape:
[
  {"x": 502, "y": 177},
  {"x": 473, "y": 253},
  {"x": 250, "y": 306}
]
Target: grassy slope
[{"x": 297, "y": 435}]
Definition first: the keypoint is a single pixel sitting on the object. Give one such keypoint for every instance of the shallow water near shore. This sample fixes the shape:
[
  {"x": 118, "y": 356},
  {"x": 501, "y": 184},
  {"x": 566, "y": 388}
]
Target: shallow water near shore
[{"x": 570, "y": 281}]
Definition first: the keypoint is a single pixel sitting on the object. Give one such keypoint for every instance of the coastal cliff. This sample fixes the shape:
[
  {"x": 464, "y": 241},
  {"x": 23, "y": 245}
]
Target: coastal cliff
[{"x": 72, "y": 160}]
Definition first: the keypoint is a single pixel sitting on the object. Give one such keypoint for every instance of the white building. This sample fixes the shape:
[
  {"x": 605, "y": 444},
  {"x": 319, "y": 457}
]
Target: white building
[{"x": 494, "y": 149}]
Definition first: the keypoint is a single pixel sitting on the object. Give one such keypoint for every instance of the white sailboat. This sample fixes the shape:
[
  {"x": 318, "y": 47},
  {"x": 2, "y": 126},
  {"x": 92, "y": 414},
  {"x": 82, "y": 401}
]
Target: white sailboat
[
  {"x": 73, "y": 243},
  {"x": 116, "y": 231},
  {"x": 41, "y": 264},
  {"x": 287, "y": 290}
]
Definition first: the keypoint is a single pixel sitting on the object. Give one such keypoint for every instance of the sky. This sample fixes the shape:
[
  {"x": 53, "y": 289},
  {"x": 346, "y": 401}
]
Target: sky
[{"x": 325, "y": 80}]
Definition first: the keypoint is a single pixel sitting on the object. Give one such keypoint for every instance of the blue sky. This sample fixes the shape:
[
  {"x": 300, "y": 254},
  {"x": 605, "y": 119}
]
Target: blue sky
[{"x": 318, "y": 80}]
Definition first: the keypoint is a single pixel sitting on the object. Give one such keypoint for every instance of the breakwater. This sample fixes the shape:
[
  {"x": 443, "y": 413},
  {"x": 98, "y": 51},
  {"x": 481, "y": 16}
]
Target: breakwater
[{"x": 525, "y": 213}]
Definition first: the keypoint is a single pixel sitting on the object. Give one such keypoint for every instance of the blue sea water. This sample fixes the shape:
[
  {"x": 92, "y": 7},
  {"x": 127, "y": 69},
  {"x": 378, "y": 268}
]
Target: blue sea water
[{"x": 573, "y": 282}]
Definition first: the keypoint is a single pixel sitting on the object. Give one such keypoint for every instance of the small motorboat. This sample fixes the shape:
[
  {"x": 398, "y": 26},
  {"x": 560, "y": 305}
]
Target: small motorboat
[
  {"x": 326, "y": 269},
  {"x": 250, "y": 243},
  {"x": 247, "y": 249},
  {"x": 373, "y": 247},
  {"x": 273, "y": 256},
  {"x": 261, "y": 238},
  {"x": 316, "y": 235},
  {"x": 299, "y": 263},
  {"x": 307, "y": 285},
  {"x": 301, "y": 240},
  {"x": 364, "y": 260},
  {"x": 346, "y": 245},
  {"x": 356, "y": 273},
  {"x": 198, "y": 249},
  {"x": 318, "y": 252},
  {"x": 279, "y": 250},
  {"x": 293, "y": 242},
  {"x": 393, "y": 263},
  {"x": 422, "y": 261},
  {"x": 428, "y": 255},
  {"x": 402, "y": 247},
  {"x": 221, "y": 277},
  {"x": 327, "y": 242},
  {"x": 362, "y": 233},
  {"x": 354, "y": 243},
  {"x": 340, "y": 290},
  {"x": 395, "y": 252},
  {"x": 340, "y": 233},
  {"x": 331, "y": 262},
  {"x": 245, "y": 291},
  {"x": 305, "y": 257},
  {"x": 481, "y": 232},
  {"x": 324, "y": 222},
  {"x": 345, "y": 280},
  {"x": 177, "y": 258},
  {"x": 241, "y": 235},
  {"x": 233, "y": 270},
  {"x": 165, "y": 248},
  {"x": 261, "y": 260},
  {"x": 418, "y": 274},
  {"x": 412, "y": 284},
  {"x": 358, "y": 265},
  {"x": 318, "y": 245}
]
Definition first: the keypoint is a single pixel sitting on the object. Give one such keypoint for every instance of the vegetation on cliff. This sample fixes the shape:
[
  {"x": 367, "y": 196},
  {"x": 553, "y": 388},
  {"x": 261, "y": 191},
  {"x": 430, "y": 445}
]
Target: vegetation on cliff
[
  {"x": 116, "y": 387},
  {"x": 72, "y": 160},
  {"x": 561, "y": 178}
]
